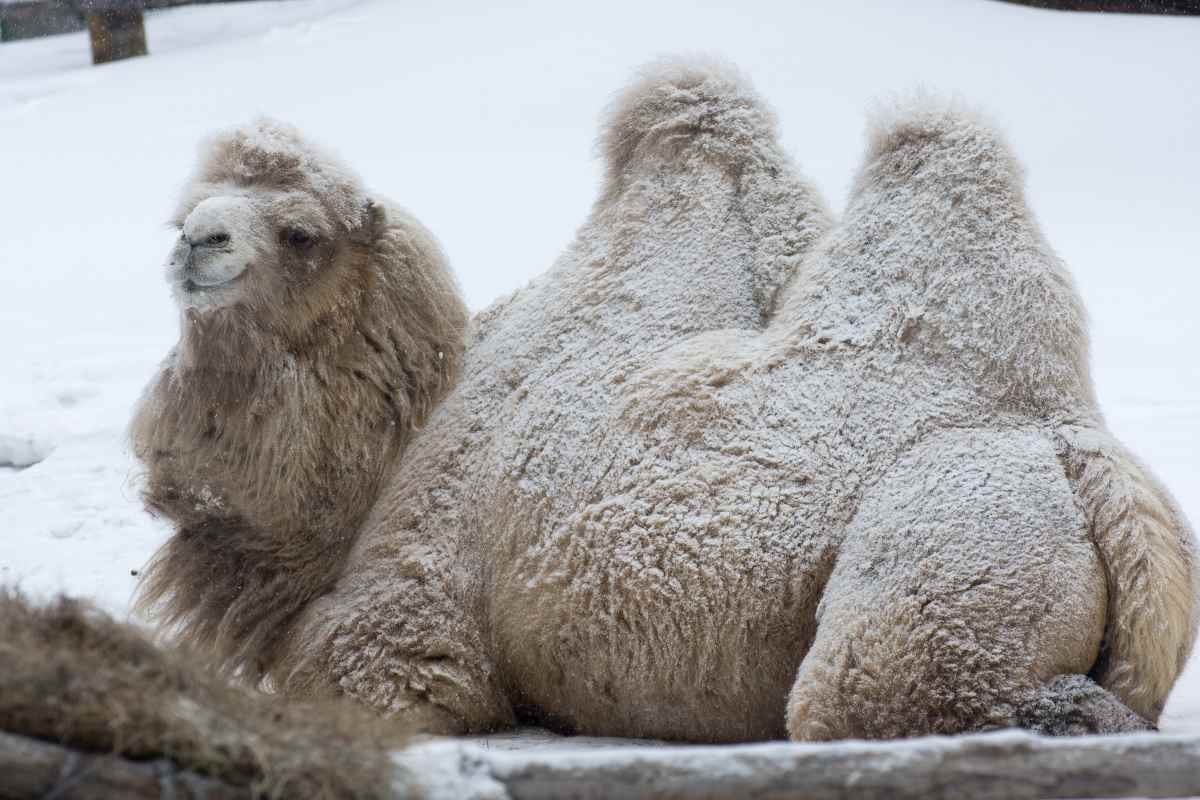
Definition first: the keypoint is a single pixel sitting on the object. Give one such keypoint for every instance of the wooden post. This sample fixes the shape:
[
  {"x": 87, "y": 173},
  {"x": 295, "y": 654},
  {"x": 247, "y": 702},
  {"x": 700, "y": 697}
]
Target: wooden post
[{"x": 117, "y": 29}]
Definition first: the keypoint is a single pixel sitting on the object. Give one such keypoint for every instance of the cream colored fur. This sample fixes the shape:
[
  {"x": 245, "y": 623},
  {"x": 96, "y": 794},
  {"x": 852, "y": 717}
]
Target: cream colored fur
[{"x": 730, "y": 470}]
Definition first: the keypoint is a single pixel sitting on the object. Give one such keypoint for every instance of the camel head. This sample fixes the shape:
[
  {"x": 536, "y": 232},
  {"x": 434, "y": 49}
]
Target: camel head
[
  {"x": 272, "y": 233},
  {"x": 320, "y": 327}
]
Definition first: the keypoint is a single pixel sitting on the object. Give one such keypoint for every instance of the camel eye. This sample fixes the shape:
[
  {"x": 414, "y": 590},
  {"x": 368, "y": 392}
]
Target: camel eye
[{"x": 298, "y": 239}]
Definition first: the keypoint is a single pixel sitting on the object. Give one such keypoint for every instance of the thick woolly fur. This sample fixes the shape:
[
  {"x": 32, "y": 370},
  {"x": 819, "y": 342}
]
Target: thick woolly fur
[
  {"x": 729, "y": 470},
  {"x": 271, "y": 425}
]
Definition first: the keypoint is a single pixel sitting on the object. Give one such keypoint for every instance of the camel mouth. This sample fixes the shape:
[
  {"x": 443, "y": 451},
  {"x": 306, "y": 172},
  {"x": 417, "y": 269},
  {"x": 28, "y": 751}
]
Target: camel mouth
[{"x": 192, "y": 285}]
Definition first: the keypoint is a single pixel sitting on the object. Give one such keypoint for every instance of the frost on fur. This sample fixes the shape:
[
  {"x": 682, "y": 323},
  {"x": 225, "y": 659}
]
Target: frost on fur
[
  {"x": 959, "y": 270},
  {"x": 273, "y": 154},
  {"x": 728, "y": 471},
  {"x": 684, "y": 123},
  {"x": 675, "y": 101}
]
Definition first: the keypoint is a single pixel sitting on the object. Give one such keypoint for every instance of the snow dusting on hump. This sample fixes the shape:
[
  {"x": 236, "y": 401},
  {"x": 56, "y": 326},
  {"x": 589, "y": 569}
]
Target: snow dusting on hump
[
  {"x": 269, "y": 153},
  {"x": 462, "y": 121}
]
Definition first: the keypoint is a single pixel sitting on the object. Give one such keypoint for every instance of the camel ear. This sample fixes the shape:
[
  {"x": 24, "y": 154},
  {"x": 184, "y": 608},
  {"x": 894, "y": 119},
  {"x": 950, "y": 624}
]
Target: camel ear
[{"x": 374, "y": 221}]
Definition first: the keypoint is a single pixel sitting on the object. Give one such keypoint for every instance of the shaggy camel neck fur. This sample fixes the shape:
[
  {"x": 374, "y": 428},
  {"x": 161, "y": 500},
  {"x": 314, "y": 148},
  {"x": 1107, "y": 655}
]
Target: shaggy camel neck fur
[
  {"x": 272, "y": 423},
  {"x": 732, "y": 470}
]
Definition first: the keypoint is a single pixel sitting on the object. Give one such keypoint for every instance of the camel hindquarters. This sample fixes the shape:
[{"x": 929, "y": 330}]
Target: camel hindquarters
[{"x": 966, "y": 588}]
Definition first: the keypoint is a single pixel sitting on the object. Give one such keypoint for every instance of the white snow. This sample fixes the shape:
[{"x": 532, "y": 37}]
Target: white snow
[{"x": 481, "y": 120}]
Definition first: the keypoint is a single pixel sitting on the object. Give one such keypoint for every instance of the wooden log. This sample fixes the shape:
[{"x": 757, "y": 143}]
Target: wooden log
[
  {"x": 30, "y": 768},
  {"x": 1182, "y": 7},
  {"x": 117, "y": 29},
  {"x": 1005, "y": 764}
]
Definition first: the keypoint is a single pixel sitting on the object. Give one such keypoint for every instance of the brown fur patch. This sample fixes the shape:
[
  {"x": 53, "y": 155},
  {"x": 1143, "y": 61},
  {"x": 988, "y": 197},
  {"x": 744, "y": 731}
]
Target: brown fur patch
[{"x": 270, "y": 426}]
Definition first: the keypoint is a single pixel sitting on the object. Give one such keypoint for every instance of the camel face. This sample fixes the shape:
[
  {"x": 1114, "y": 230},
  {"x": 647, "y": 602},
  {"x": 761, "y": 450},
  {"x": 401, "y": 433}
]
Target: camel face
[
  {"x": 257, "y": 247},
  {"x": 218, "y": 243},
  {"x": 274, "y": 235}
]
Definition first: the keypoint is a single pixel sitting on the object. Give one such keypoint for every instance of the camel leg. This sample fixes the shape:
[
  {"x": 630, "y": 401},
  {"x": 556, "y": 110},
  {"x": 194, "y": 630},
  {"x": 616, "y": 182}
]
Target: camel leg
[
  {"x": 402, "y": 640},
  {"x": 966, "y": 596},
  {"x": 1074, "y": 705}
]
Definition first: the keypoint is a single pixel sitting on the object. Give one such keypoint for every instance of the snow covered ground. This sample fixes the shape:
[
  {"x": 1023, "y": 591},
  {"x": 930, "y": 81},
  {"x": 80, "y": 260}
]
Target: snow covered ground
[{"x": 481, "y": 120}]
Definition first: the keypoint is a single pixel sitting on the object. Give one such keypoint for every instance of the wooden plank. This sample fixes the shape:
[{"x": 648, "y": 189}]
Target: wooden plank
[{"x": 1005, "y": 764}]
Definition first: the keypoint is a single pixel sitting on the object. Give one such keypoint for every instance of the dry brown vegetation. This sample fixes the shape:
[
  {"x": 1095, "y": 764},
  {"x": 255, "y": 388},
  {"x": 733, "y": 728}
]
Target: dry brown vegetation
[{"x": 71, "y": 674}]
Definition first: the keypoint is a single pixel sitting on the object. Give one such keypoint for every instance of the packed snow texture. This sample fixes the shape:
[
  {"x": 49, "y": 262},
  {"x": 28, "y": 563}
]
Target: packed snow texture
[{"x": 481, "y": 120}]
